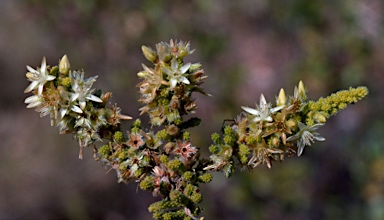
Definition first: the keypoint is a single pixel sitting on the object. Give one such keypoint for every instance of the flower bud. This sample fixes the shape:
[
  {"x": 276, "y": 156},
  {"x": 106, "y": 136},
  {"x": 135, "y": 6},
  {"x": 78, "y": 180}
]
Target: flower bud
[
  {"x": 172, "y": 130},
  {"x": 291, "y": 124},
  {"x": 149, "y": 54},
  {"x": 318, "y": 117},
  {"x": 195, "y": 66},
  {"x": 282, "y": 98},
  {"x": 164, "y": 52},
  {"x": 275, "y": 141},
  {"x": 64, "y": 65},
  {"x": 142, "y": 74},
  {"x": 302, "y": 91},
  {"x": 106, "y": 96}
]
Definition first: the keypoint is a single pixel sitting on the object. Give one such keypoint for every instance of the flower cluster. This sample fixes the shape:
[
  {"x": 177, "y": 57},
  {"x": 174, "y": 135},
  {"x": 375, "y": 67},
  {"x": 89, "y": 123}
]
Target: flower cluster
[
  {"x": 163, "y": 159},
  {"x": 71, "y": 102},
  {"x": 264, "y": 134}
]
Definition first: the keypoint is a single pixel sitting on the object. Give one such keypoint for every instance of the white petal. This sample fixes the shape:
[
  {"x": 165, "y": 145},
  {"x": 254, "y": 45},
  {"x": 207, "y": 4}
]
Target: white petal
[
  {"x": 250, "y": 110},
  {"x": 269, "y": 118},
  {"x": 74, "y": 96},
  {"x": 76, "y": 109},
  {"x": 168, "y": 72},
  {"x": 82, "y": 104},
  {"x": 275, "y": 109},
  {"x": 316, "y": 126},
  {"x": 294, "y": 137},
  {"x": 300, "y": 149},
  {"x": 184, "y": 80},
  {"x": 257, "y": 119},
  {"x": 50, "y": 78},
  {"x": 301, "y": 125},
  {"x": 93, "y": 98},
  {"x": 31, "y": 86},
  {"x": 31, "y": 99},
  {"x": 185, "y": 68},
  {"x": 40, "y": 90},
  {"x": 43, "y": 65},
  {"x": 318, "y": 137},
  {"x": 30, "y": 69},
  {"x": 63, "y": 111},
  {"x": 173, "y": 82},
  {"x": 263, "y": 102},
  {"x": 174, "y": 64},
  {"x": 33, "y": 104}
]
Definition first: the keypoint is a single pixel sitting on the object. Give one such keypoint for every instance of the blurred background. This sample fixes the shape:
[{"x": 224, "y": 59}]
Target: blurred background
[{"x": 247, "y": 47}]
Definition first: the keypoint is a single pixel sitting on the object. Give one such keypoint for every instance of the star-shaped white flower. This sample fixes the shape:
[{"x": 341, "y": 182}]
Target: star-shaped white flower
[
  {"x": 263, "y": 111},
  {"x": 38, "y": 77},
  {"x": 82, "y": 89},
  {"x": 176, "y": 74},
  {"x": 70, "y": 104},
  {"x": 306, "y": 135}
]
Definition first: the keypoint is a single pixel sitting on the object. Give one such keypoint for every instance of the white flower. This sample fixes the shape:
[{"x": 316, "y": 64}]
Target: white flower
[
  {"x": 306, "y": 136},
  {"x": 70, "y": 104},
  {"x": 176, "y": 75},
  {"x": 38, "y": 77},
  {"x": 263, "y": 111},
  {"x": 82, "y": 89},
  {"x": 33, "y": 101}
]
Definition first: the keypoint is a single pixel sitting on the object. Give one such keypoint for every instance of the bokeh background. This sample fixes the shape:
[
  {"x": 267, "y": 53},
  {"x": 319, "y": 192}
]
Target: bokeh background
[{"x": 247, "y": 47}]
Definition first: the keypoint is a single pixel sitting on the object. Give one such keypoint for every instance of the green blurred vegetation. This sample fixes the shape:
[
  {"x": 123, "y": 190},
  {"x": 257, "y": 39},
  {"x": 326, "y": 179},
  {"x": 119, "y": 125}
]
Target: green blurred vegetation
[{"x": 246, "y": 47}]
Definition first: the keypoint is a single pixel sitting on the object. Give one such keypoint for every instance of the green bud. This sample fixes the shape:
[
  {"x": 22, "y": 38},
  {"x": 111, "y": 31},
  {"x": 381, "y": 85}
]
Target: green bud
[
  {"x": 216, "y": 138},
  {"x": 164, "y": 158},
  {"x": 147, "y": 184},
  {"x": 186, "y": 135},
  {"x": 104, "y": 150},
  {"x": 188, "y": 175},
  {"x": 64, "y": 65},
  {"x": 302, "y": 91},
  {"x": 194, "y": 67},
  {"x": 175, "y": 164},
  {"x": 122, "y": 155},
  {"x": 149, "y": 54},
  {"x": 118, "y": 136},
  {"x": 244, "y": 150},
  {"x": 214, "y": 149},
  {"x": 196, "y": 197},
  {"x": 282, "y": 98},
  {"x": 142, "y": 74},
  {"x": 205, "y": 178},
  {"x": 54, "y": 71}
]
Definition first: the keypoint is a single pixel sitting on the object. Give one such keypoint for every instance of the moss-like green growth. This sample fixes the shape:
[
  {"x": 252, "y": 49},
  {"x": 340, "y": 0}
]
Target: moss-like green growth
[
  {"x": 205, "y": 178},
  {"x": 105, "y": 150},
  {"x": 118, "y": 137}
]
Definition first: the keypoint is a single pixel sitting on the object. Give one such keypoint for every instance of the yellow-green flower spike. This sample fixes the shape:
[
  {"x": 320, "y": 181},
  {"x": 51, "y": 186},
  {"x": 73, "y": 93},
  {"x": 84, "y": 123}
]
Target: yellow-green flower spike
[{"x": 337, "y": 101}]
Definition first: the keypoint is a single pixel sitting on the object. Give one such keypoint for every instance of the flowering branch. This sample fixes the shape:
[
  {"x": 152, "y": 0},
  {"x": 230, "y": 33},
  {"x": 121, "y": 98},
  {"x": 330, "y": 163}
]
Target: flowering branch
[{"x": 166, "y": 162}]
